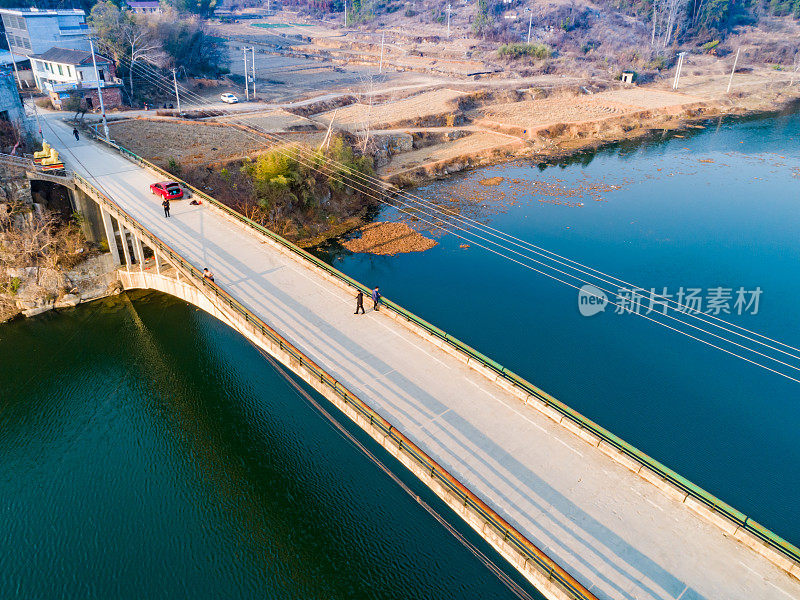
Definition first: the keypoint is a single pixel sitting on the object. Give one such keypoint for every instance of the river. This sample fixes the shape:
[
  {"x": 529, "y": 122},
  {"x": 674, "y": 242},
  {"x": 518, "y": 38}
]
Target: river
[
  {"x": 147, "y": 447},
  {"x": 712, "y": 207}
]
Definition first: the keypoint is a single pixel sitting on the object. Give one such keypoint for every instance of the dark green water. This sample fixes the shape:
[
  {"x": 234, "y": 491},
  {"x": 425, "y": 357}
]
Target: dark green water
[{"x": 149, "y": 452}]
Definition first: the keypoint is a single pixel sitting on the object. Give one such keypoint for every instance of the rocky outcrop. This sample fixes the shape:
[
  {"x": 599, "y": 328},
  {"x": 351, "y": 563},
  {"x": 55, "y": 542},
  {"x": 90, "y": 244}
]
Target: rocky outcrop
[
  {"x": 14, "y": 185},
  {"x": 37, "y": 289}
]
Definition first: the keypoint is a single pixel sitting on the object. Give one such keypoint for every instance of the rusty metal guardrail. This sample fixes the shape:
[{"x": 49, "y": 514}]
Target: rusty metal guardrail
[
  {"x": 707, "y": 499},
  {"x": 544, "y": 564}
]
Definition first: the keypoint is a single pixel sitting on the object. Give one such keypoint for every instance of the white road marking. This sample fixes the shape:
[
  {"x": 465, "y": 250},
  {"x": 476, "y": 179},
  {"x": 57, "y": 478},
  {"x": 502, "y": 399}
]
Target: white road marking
[
  {"x": 653, "y": 503},
  {"x": 568, "y": 446},
  {"x": 779, "y": 589},
  {"x": 751, "y": 570},
  {"x": 512, "y": 409},
  {"x": 413, "y": 344}
]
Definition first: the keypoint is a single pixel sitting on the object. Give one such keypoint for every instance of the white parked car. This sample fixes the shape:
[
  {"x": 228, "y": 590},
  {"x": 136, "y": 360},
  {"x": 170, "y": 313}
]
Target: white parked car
[{"x": 229, "y": 98}]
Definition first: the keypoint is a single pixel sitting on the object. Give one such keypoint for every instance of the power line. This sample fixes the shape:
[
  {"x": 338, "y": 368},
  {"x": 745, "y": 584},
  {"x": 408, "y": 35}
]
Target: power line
[
  {"x": 336, "y": 425},
  {"x": 441, "y": 226},
  {"x": 666, "y": 300}
]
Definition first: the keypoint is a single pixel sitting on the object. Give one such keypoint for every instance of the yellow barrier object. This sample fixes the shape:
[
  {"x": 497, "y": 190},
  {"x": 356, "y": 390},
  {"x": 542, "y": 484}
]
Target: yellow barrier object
[
  {"x": 52, "y": 159},
  {"x": 44, "y": 152}
]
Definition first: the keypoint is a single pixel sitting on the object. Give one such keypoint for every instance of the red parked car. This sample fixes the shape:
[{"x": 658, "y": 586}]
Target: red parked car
[{"x": 167, "y": 189}]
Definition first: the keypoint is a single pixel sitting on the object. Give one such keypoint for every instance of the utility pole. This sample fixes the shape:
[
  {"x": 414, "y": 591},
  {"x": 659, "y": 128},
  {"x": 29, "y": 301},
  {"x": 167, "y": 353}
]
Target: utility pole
[
  {"x": 13, "y": 61},
  {"x": 380, "y": 65},
  {"x": 36, "y": 112},
  {"x": 177, "y": 95},
  {"x": 253, "y": 48},
  {"x": 345, "y": 13},
  {"x": 448, "y": 19},
  {"x": 246, "y": 85},
  {"x": 99, "y": 91},
  {"x": 735, "y": 60},
  {"x": 530, "y": 23},
  {"x": 678, "y": 70}
]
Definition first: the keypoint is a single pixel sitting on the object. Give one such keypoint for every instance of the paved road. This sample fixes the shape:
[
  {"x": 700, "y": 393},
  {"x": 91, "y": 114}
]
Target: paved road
[{"x": 614, "y": 532}]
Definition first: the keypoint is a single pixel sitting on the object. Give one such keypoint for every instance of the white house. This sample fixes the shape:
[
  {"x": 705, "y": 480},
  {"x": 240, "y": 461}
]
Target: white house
[{"x": 62, "y": 72}]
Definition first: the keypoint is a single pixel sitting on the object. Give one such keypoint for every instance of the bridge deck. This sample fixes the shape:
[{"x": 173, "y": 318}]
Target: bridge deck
[{"x": 617, "y": 534}]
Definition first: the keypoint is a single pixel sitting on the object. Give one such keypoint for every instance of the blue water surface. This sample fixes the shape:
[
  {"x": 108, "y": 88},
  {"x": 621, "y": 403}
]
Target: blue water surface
[{"x": 715, "y": 207}]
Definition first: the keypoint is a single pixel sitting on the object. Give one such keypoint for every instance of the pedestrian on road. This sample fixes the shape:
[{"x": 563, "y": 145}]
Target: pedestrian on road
[
  {"x": 359, "y": 302},
  {"x": 208, "y": 275},
  {"x": 75, "y": 133},
  {"x": 165, "y": 204},
  {"x": 376, "y": 298}
]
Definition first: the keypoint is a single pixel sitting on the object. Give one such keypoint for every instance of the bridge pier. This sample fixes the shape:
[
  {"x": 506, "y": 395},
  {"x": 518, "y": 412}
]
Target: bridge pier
[
  {"x": 91, "y": 217},
  {"x": 111, "y": 238},
  {"x": 137, "y": 244},
  {"x": 123, "y": 236}
]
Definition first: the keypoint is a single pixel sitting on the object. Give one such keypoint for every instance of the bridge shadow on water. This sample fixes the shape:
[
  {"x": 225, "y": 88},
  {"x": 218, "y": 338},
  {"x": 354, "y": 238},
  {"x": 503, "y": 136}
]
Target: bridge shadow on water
[
  {"x": 587, "y": 531},
  {"x": 348, "y": 353}
]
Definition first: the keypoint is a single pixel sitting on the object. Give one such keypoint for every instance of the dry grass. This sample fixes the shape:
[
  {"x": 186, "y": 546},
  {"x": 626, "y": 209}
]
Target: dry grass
[
  {"x": 389, "y": 114},
  {"x": 389, "y": 239},
  {"x": 534, "y": 114},
  {"x": 471, "y": 145},
  {"x": 185, "y": 142},
  {"x": 648, "y": 98},
  {"x": 273, "y": 121}
]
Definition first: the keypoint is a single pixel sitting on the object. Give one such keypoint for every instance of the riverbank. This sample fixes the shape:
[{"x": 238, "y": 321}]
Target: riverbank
[
  {"x": 558, "y": 141},
  {"x": 417, "y": 138},
  {"x": 588, "y": 128},
  {"x": 35, "y": 290},
  {"x": 46, "y": 258}
]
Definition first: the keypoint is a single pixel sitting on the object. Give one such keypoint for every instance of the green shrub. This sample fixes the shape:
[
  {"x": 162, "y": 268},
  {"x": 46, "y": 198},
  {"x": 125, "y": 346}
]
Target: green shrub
[
  {"x": 174, "y": 167},
  {"x": 515, "y": 51},
  {"x": 710, "y": 45},
  {"x": 13, "y": 285},
  {"x": 290, "y": 180},
  {"x": 658, "y": 63}
]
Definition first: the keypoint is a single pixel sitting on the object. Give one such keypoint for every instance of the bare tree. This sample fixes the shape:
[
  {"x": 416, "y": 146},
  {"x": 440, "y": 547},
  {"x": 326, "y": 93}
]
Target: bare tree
[
  {"x": 122, "y": 34},
  {"x": 25, "y": 236},
  {"x": 666, "y": 14},
  {"x": 369, "y": 82},
  {"x": 139, "y": 44},
  {"x": 31, "y": 238}
]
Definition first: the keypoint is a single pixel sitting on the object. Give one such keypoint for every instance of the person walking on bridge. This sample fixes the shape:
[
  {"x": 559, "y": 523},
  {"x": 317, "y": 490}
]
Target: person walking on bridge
[
  {"x": 75, "y": 133},
  {"x": 165, "y": 204},
  {"x": 376, "y": 298},
  {"x": 208, "y": 275},
  {"x": 359, "y": 302}
]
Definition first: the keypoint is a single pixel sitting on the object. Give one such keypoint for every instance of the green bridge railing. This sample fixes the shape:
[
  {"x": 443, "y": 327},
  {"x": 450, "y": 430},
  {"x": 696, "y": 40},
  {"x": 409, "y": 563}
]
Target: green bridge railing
[
  {"x": 543, "y": 563},
  {"x": 768, "y": 537}
]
